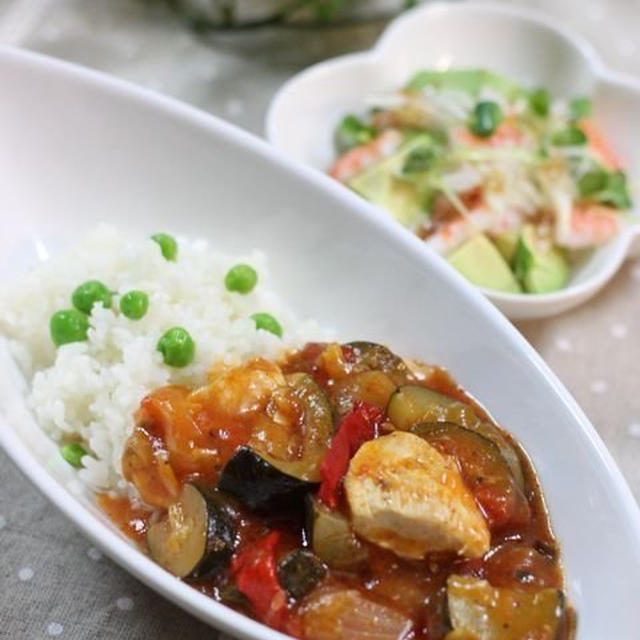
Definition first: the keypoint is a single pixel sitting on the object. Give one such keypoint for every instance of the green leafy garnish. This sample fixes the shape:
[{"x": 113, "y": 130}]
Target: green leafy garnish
[
  {"x": 616, "y": 192},
  {"x": 539, "y": 102},
  {"x": 572, "y": 136},
  {"x": 607, "y": 187},
  {"x": 580, "y": 108},
  {"x": 421, "y": 159},
  {"x": 352, "y": 132},
  {"x": 592, "y": 182}
]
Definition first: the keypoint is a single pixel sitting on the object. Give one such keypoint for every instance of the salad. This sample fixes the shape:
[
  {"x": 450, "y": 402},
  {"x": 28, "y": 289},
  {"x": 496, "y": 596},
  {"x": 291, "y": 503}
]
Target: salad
[{"x": 511, "y": 184}]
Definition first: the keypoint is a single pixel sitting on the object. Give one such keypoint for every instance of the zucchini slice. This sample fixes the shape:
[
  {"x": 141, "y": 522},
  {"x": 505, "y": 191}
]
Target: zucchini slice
[
  {"x": 491, "y": 613},
  {"x": 260, "y": 485},
  {"x": 484, "y": 471},
  {"x": 370, "y": 356},
  {"x": 332, "y": 538},
  {"x": 412, "y": 404},
  {"x": 195, "y": 538},
  {"x": 317, "y": 429}
]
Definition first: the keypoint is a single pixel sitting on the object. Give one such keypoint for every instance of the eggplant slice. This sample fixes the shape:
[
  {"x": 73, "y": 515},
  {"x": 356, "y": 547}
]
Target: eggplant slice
[
  {"x": 260, "y": 486},
  {"x": 413, "y": 404},
  {"x": 299, "y": 572},
  {"x": 196, "y": 537}
]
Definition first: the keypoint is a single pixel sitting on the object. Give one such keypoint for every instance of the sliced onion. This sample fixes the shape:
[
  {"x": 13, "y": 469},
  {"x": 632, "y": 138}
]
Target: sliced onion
[{"x": 345, "y": 614}]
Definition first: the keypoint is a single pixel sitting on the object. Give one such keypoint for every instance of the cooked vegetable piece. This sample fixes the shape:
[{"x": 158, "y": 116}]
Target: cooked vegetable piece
[
  {"x": 317, "y": 429},
  {"x": 484, "y": 471},
  {"x": 168, "y": 246},
  {"x": 177, "y": 347},
  {"x": 68, "y": 325},
  {"x": 412, "y": 404},
  {"x": 267, "y": 322},
  {"x": 196, "y": 537},
  {"x": 520, "y": 566},
  {"x": 241, "y": 278},
  {"x": 407, "y": 497},
  {"x": 346, "y": 614},
  {"x": 254, "y": 570},
  {"x": 332, "y": 538},
  {"x": 134, "y": 304},
  {"x": 371, "y": 387},
  {"x": 485, "y": 118},
  {"x": 261, "y": 486},
  {"x": 358, "y": 426},
  {"x": 492, "y": 613},
  {"x": 299, "y": 572},
  {"x": 367, "y": 356},
  {"x": 89, "y": 293},
  {"x": 73, "y": 453},
  {"x": 351, "y": 132}
]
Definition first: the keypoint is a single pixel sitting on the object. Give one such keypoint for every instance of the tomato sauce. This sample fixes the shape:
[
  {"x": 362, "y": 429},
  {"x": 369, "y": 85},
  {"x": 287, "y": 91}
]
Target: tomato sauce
[{"x": 185, "y": 435}]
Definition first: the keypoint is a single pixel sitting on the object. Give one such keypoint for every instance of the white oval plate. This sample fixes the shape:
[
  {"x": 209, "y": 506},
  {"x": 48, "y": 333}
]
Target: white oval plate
[
  {"x": 79, "y": 148},
  {"x": 516, "y": 41}
]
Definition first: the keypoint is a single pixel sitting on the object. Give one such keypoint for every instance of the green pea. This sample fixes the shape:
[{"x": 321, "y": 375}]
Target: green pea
[
  {"x": 267, "y": 322},
  {"x": 241, "y": 278},
  {"x": 485, "y": 118},
  {"x": 572, "y": 136},
  {"x": 177, "y": 347},
  {"x": 167, "y": 244},
  {"x": 68, "y": 325},
  {"x": 90, "y": 292},
  {"x": 134, "y": 304},
  {"x": 73, "y": 453},
  {"x": 539, "y": 102}
]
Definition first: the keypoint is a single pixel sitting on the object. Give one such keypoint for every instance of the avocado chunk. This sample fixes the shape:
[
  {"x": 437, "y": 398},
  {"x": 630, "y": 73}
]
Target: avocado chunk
[
  {"x": 479, "y": 261},
  {"x": 383, "y": 185},
  {"x": 539, "y": 266},
  {"x": 506, "y": 243}
]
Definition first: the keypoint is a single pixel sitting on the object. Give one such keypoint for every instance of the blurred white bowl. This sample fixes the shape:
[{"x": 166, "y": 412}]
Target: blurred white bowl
[{"x": 515, "y": 41}]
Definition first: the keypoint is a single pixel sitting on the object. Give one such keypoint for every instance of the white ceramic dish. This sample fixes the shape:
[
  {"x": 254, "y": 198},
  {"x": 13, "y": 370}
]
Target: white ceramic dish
[
  {"x": 78, "y": 148},
  {"x": 516, "y": 41}
]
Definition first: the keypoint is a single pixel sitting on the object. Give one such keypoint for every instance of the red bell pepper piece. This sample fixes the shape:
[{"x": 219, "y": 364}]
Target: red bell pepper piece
[
  {"x": 358, "y": 426},
  {"x": 254, "y": 570}
]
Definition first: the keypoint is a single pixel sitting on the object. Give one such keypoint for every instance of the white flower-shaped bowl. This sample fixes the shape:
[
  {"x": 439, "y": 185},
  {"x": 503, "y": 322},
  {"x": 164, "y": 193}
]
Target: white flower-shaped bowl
[{"x": 524, "y": 44}]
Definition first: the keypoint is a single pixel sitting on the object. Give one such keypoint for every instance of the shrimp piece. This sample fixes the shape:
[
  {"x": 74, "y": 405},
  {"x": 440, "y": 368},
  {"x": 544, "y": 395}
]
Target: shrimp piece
[
  {"x": 359, "y": 158},
  {"x": 599, "y": 145},
  {"x": 588, "y": 225},
  {"x": 507, "y": 134},
  {"x": 452, "y": 234}
]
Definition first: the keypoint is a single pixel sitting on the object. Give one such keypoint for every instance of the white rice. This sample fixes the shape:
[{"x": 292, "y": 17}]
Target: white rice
[{"x": 90, "y": 390}]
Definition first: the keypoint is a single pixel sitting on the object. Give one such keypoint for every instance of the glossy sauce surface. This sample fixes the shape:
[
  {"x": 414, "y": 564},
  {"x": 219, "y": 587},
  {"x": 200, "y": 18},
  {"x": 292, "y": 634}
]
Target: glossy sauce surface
[{"x": 188, "y": 436}]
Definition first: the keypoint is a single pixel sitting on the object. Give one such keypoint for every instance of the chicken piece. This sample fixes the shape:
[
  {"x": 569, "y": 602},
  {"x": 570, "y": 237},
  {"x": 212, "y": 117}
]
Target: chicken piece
[{"x": 407, "y": 497}]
